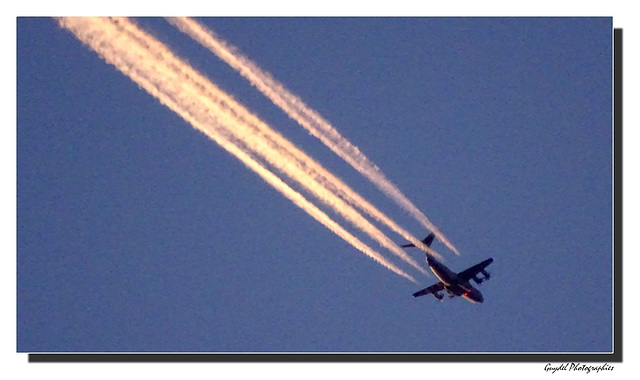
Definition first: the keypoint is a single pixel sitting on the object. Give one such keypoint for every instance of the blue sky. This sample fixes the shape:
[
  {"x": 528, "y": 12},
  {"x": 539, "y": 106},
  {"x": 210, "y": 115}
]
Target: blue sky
[{"x": 138, "y": 233}]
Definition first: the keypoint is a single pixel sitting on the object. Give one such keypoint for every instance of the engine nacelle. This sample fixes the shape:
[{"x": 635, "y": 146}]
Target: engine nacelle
[
  {"x": 486, "y": 274},
  {"x": 478, "y": 280},
  {"x": 438, "y": 296}
]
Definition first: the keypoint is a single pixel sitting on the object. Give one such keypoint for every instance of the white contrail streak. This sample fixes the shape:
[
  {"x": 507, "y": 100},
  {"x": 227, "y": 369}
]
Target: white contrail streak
[
  {"x": 274, "y": 148},
  {"x": 310, "y": 120},
  {"x": 163, "y": 80}
]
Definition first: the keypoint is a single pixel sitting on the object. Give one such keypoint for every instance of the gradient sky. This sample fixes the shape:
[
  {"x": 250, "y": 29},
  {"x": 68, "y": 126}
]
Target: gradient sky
[{"x": 136, "y": 232}]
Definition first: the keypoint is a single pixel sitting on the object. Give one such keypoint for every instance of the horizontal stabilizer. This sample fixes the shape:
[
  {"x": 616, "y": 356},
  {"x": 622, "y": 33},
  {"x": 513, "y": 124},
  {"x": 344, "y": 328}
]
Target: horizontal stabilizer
[{"x": 426, "y": 241}]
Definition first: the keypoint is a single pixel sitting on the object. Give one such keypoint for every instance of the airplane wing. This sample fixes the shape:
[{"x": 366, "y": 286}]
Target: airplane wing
[
  {"x": 473, "y": 271},
  {"x": 430, "y": 290}
]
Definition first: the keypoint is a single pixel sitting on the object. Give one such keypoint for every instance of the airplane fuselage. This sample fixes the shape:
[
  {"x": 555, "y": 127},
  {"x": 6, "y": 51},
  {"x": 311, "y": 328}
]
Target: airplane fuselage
[
  {"x": 452, "y": 283},
  {"x": 456, "y": 284}
]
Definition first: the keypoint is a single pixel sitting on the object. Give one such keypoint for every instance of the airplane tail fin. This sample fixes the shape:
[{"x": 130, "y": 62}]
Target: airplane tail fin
[{"x": 427, "y": 241}]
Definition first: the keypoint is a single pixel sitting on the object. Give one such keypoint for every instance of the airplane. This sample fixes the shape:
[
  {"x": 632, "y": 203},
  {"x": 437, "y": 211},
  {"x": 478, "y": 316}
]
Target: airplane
[{"x": 456, "y": 284}]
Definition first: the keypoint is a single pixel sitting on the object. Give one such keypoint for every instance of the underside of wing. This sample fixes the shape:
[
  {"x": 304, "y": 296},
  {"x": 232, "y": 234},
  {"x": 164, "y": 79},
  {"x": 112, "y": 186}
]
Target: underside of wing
[
  {"x": 430, "y": 290},
  {"x": 473, "y": 271}
]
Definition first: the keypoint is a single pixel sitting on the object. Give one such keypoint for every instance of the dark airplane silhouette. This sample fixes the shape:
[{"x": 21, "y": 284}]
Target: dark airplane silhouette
[{"x": 456, "y": 284}]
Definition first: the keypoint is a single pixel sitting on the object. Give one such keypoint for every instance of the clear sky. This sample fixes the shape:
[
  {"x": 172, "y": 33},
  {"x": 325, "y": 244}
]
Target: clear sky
[{"x": 136, "y": 232}]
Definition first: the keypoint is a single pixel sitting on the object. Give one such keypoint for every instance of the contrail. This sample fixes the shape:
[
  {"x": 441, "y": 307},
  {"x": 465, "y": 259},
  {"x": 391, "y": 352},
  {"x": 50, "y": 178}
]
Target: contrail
[
  {"x": 276, "y": 150},
  {"x": 309, "y": 119},
  {"x": 342, "y": 190},
  {"x": 158, "y": 74}
]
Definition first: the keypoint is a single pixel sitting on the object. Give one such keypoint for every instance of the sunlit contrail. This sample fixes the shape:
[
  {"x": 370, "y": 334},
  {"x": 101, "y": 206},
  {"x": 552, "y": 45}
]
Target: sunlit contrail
[
  {"x": 339, "y": 188},
  {"x": 163, "y": 76},
  {"x": 275, "y": 149},
  {"x": 311, "y": 121}
]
